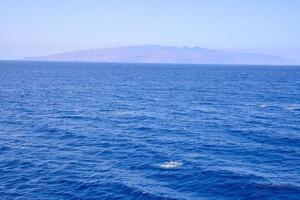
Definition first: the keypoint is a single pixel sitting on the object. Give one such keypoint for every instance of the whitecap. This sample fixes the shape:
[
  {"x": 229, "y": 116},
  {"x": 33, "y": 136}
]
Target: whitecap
[
  {"x": 262, "y": 105},
  {"x": 170, "y": 165},
  {"x": 292, "y": 107}
]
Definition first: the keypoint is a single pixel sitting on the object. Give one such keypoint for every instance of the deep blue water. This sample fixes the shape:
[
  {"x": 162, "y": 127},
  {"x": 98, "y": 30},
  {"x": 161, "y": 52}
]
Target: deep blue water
[{"x": 109, "y": 131}]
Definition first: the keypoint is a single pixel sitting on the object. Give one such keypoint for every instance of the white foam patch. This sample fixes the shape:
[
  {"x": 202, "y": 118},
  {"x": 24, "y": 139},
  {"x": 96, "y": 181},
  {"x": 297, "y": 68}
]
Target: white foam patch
[
  {"x": 170, "y": 165},
  {"x": 262, "y": 105},
  {"x": 292, "y": 107}
]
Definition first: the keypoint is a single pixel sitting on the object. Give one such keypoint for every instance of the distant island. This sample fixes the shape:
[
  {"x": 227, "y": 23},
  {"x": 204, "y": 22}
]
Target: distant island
[{"x": 165, "y": 54}]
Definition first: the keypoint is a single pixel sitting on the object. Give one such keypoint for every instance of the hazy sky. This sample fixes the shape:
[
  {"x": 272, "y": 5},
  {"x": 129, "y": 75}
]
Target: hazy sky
[{"x": 33, "y": 27}]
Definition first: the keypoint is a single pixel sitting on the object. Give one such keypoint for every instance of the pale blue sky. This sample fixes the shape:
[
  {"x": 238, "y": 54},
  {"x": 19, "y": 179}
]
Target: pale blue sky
[{"x": 33, "y": 27}]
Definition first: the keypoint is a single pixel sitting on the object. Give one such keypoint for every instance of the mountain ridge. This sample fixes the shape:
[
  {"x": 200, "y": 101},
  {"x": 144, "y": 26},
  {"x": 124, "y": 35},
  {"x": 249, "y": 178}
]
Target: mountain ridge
[{"x": 164, "y": 54}]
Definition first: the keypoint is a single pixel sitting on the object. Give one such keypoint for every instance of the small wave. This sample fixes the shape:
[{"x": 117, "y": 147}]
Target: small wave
[
  {"x": 262, "y": 105},
  {"x": 268, "y": 106},
  {"x": 290, "y": 107},
  {"x": 293, "y": 108},
  {"x": 170, "y": 165}
]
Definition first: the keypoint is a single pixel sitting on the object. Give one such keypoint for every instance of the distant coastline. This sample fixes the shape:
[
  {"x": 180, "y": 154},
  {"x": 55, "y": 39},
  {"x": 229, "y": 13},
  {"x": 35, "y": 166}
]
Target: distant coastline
[
  {"x": 127, "y": 63},
  {"x": 165, "y": 55}
]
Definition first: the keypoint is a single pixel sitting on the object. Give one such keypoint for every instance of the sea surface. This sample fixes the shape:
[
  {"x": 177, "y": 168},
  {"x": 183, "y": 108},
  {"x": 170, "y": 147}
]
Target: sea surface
[{"x": 149, "y": 131}]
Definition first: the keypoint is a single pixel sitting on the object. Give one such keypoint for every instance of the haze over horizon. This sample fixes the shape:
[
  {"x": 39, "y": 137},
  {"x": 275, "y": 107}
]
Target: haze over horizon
[
  {"x": 166, "y": 54},
  {"x": 37, "y": 28}
]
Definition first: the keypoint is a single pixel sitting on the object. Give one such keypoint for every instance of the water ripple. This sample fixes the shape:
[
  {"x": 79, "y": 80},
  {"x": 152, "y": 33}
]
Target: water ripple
[{"x": 122, "y": 131}]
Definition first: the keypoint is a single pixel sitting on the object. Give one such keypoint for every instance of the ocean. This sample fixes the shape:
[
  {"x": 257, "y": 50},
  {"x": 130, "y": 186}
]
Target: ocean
[{"x": 149, "y": 131}]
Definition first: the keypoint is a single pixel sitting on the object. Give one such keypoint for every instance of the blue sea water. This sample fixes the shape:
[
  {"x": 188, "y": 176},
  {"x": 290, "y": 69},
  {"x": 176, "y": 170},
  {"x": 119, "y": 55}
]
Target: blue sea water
[{"x": 149, "y": 131}]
